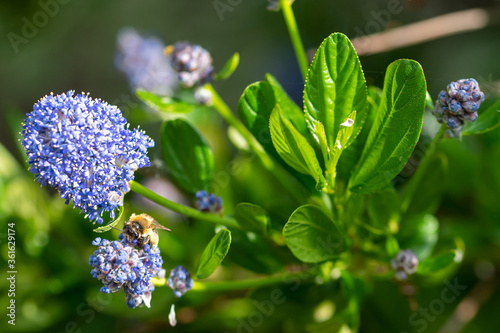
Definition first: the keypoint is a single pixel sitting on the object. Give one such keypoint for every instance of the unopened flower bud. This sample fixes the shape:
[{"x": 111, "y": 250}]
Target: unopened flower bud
[
  {"x": 180, "y": 281},
  {"x": 458, "y": 104},
  {"x": 192, "y": 63},
  {"x": 404, "y": 264},
  {"x": 208, "y": 203}
]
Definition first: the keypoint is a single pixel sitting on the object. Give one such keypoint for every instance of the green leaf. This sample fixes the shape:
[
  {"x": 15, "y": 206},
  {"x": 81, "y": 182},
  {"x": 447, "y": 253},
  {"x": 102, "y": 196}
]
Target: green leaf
[
  {"x": 252, "y": 217},
  {"x": 163, "y": 103},
  {"x": 111, "y": 224},
  {"x": 188, "y": 156},
  {"x": 419, "y": 234},
  {"x": 312, "y": 236},
  {"x": 436, "y": 263},
  {"x": 254, "y": 253},
  {"x": 354, "y": 207},
  {"x": 290, "y": 110},
  {"x": 391, "y": 246},
  {"x": 422, "y": 195},
  {"x": 351, "y": 155},
  {"x": 318, "y": 131},
  {"x": 335, "y": 86},
  {"x": 255, "y": 108},
  {"x": 383, "y": 210},
  {"x": 488, "y": 120},
  {"x": 229, "y": 67},
  {"x": 396, "y": 129},
  {"x": 294, "y": 148},
  {"x": 343, "y": 136},
  {"x": 256, "y": 105},
  {"x": 213, "y": 254}
]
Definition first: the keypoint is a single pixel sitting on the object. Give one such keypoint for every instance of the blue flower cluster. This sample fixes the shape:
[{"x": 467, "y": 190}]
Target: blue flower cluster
[
  {"x": 208, "y": 203},
  {"x": 457, "y": 104},
  {"x": 404, "y": 264},
  {"x": 180, "y": 281},
  {"x": 274, "y": 5},
  {"x": 120, "y": 266},
  {"x": 144, "y": 62},
  {"x": 192, "y": 63},
  {"x": 83, "y": 148}
]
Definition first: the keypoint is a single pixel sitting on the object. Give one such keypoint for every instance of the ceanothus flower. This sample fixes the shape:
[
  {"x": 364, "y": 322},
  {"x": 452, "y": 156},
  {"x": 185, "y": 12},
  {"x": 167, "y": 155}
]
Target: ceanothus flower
[
  {"x": 143, "y": 60},
  {"x": 120, "y": 266},
  {"x": 192, "y": 63},
  {"x": 458, "y": 104},
  {"x": 208, "y": 203},
  {"x": 83, "y": 147},
  {"x": 404, "y": 264},
  {"x": 180, "y": 281}
]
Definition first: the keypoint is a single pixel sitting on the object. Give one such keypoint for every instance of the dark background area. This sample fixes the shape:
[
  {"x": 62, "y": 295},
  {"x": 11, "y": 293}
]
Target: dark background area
[{"x": 75, "y": 50}]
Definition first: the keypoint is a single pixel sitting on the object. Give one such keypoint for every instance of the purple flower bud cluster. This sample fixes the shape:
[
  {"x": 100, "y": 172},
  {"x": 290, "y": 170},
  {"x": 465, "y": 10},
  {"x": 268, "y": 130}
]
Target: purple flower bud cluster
[
  {"x": 203, "y": 96},
  {"x": 180, "y": 281},
  {"x": 458, "y": 104},
  {"x": 404, "y": 264},
  {"x": 274, "y": 5},
  {"x": 192, "y": 63},
  {"x": 208, "y": 203},
  {"x": 120, "y": 266},
  {"x": 84, "y": 148},
  {"x": 143, "y": 61}
]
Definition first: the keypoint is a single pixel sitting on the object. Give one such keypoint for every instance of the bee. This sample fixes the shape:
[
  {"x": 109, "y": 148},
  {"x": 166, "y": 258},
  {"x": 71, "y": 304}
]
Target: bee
[{"x": 142, "y": 228}]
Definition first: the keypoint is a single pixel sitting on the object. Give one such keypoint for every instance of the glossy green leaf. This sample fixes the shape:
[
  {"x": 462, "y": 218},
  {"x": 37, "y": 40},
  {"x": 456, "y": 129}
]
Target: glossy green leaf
[
  {"x": 186, "y": 153},
  {"x": 290, "y": 110},
  {"x": 312, "y": 236},
  {"x": 420, "y": 234},
  {"x": 254, "y": 109},
  {"x": 293, "y": 148},
  {"x": 343, "y": 136},
  {"x": 256, "y": 105},
  {"x": 163, "y": 103},
  {"x": 396, "y": 129},
  {"x": 335, "y": 86},
  {"x": 488, "y": 119},
  {"x": 439, "y": 262},
  {"x": 351, "y": 155},
  {"x": 421, "y": 195},
  {"x": 252, "y": 217},
  {"x": 111, "y": 224},
  {"x": 229, "y": 67},
  {"x": 384, "y": 210},
  {"x": 213, "y": 254},
  {"x": 317, "y": 129}
]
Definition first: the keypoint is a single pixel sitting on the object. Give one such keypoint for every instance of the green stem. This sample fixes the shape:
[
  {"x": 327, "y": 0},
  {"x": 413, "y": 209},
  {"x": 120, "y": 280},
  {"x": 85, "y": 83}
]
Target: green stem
[
  {"x": 243, "y": 284},
  {"x": 181, "y": 209},
  {"x": 296, "y": 189},
  {"x": 293, "y": 31}
]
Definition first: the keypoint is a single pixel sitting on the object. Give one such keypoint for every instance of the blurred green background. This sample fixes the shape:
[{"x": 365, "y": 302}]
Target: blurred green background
[{"x": 75, "y": 49}]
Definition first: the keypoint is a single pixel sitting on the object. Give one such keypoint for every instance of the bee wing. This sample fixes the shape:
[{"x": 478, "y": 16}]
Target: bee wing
[{"x": 159, "y": 226}]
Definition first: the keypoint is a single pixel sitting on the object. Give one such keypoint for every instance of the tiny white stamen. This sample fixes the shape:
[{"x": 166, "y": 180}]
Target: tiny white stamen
[{"x": 348, "y": 123}]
